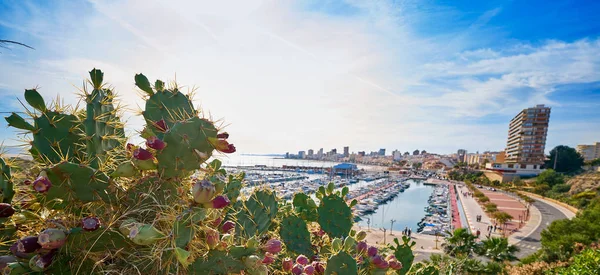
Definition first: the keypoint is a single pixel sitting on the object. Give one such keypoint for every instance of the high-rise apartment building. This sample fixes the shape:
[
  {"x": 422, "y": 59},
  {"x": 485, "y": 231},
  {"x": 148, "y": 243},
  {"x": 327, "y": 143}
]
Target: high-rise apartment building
[
  {"x": 346, "y": 151},
  {"x": 301, "y": 154},
  {"x": 461, "y": 155},
  {"x": 589, "y": 152},
  {"x": 381, "y": 152},
  {"x": 320, "y": 153},
  {"x": 527, "y": 136},
  {"x": 310, "y": 153}
]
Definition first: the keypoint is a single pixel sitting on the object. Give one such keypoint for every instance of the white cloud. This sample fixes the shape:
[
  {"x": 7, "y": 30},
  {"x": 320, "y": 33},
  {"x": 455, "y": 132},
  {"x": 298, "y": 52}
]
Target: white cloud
[{"x": 286, "y": 79}]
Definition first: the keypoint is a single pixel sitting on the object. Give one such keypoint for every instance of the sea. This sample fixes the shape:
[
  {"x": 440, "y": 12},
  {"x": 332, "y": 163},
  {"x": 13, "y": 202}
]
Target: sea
[{"x": 406, "y": 209}]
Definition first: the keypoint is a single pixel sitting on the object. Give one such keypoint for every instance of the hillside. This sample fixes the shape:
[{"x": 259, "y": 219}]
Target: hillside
[{"x": 589, "y": 181}]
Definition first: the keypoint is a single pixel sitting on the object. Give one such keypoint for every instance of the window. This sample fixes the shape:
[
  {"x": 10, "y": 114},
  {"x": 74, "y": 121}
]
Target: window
[
  {"x": 511, "y": 166},
  {"x": 523, "y": 166},
  {"x": 535, "y": 166}
]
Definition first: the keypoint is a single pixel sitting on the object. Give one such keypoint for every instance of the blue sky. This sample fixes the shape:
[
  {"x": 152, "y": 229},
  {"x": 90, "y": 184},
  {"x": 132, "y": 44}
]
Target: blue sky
[{"x": 293, "y": 75}]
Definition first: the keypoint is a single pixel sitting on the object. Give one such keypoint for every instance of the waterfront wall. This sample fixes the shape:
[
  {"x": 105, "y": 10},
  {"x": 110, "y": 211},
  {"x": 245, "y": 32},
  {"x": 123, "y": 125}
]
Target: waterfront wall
[{"x": 568, "y": 207}]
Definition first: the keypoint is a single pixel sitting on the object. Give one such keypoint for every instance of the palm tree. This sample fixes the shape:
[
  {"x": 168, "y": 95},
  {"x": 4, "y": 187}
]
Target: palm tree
[
  {"x": 497, "y": 250},
  {"x": 501, "y": 218},
  {"x": 4, "y": 42},
  {"x": 459, "y": 242}
]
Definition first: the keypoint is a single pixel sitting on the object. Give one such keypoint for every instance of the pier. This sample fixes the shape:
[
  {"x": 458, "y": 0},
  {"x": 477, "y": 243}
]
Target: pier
[{"x": 368, "y": 194}]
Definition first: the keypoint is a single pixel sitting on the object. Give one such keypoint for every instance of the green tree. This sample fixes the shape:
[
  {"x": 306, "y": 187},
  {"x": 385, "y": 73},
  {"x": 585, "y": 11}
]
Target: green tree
[
  {"x": 587, "y": 262},
  {"x": 568, "y": 160},
  {"x": 595, "y": 162},
  {"x": 497, "y": 250},
  {"x": 561, "y": 188},
  {"x": 459, "y": 242},
  {"x": 559, "y": 239},
  {"x": 502, "y": 218},
  {"x": 549, "y": 177}
]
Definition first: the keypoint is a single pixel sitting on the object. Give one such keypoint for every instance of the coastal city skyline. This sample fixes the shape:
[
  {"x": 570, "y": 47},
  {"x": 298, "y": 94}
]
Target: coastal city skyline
[{"x": 325, "y": 74}]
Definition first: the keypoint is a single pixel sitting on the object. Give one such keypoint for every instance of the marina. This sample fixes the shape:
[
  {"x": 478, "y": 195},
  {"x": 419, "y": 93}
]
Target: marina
[{"x": 438, "y": 214}]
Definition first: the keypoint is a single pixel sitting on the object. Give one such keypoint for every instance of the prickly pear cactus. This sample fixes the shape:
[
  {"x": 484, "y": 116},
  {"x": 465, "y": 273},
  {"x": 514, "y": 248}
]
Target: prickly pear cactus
[
  {"x": 335, "y": 216},
  {"x": 6, "y": 185},
  {"x": 75, "y": 182},
  {"x": 305, "y": 206},
  {"x": 295, "y": 235},
  {"x": 341, "y": 263},
  {"x": 187, "y": 147},
  {"x": 166, "y": 104},
  {"x": 103, "y": 128},
  {"x": 56, "y": 135},
  {"x": 404, "y": 253},
  {"x": 258, "y": 213},
  {"x": 97, "y": 206}
]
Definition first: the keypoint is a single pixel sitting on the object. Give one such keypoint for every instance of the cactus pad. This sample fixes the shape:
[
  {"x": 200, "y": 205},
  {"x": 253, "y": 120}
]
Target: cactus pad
[
  {"x": 103, "y": 129},
  {"x": 404, "y": 253},
  {"x": 295, "y": 235},
  {"x": 335, "y": 216},
  {"x": 73, "y": 181},
  {"x": 234, "y": 186},
  {"x": 94, "y": 241},
  {"x": 6, "y": 185},
  {"x": 341, "y": 264},
  {"x": 169, "y": 105},
  {"x": 185, "y": 140},
  {"x": 217, "y": 263},
  {"x": 305, "y": 206},
  {"x": 257, "y": 214}
]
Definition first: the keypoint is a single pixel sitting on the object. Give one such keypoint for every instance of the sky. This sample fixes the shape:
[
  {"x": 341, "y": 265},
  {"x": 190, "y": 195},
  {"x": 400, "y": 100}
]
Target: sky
[{"x": 284, "y": 76}]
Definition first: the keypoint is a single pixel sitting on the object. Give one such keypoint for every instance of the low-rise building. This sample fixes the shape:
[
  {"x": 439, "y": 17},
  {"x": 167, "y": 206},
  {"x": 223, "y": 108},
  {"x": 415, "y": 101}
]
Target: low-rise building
[{"x": 589, "y": 152}]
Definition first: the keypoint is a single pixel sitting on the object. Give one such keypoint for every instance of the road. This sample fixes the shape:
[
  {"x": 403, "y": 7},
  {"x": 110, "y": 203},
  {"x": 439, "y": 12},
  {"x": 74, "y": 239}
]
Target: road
[{"x": 532, "y": 243}]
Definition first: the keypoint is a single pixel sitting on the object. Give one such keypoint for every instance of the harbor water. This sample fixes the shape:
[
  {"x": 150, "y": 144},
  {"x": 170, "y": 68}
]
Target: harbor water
[{"x": 407, "y": 209}]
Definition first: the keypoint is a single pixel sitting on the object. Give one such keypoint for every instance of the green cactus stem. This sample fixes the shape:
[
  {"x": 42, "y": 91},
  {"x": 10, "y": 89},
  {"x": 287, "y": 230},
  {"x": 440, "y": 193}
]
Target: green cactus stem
[
  {"x": 169, "y": 105},
  {"x": 72, "y": 181},
  {"x": 55, "y": 134},
  {"x": 306, "y": 207},
  {"x": 341, "y": 263},
  {"x": 258, "y": 213},
  {"x": 335, "y": 216},
  {"x": 103, "y": 128},
  {"x": 295, "y": 235},
  {"x": 6, "y": 184},
  {"x": 404, "y": 253},
  {"x": 187, "y": 149}
]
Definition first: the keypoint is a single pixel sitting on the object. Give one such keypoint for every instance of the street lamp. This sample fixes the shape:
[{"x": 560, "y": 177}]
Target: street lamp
[{"x": 392, "y": 227}]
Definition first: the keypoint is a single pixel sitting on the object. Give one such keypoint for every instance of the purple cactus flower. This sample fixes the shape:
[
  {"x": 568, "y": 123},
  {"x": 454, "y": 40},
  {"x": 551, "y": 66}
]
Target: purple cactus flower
[
  {"x": 361, "y": 248},
  {"x": 14, "y": 249},
  {"x": 203, "y": 191},
  {"x": 222, "y": 145},
  {"x": 142, "y": 154},
  {"x": 28, "y": 244},
  {"x": 372, "y": 251},
  {"x": 90, "y": 223},
  {"x": 287, "y": 264},
  {"x": 223, "y": 135},
  {"x": 395, "y": 264},
  {"x": 42, "y": 184},
  {"x": 52, "y": 238},
  {"x": 219, "y": 202},
  {"x": 268, "y": 259},
  {"x": 319, "y": 267},
  {"x": 161, "y": 125},
  {"x": 6, "y": 210},
  {"x": 309, "y": 270},
  {"x": 212, "y": 237},
  {"x": 379, "y": 262},
  {"x": 272, "y": 246},
  {"x": 227, "y": 226},
  {"x": 297, "y": 269},
  {"x": 302, "y": 260},
  {"x": 155, "y": 143},
  {"x": 43, "y": 261}
]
